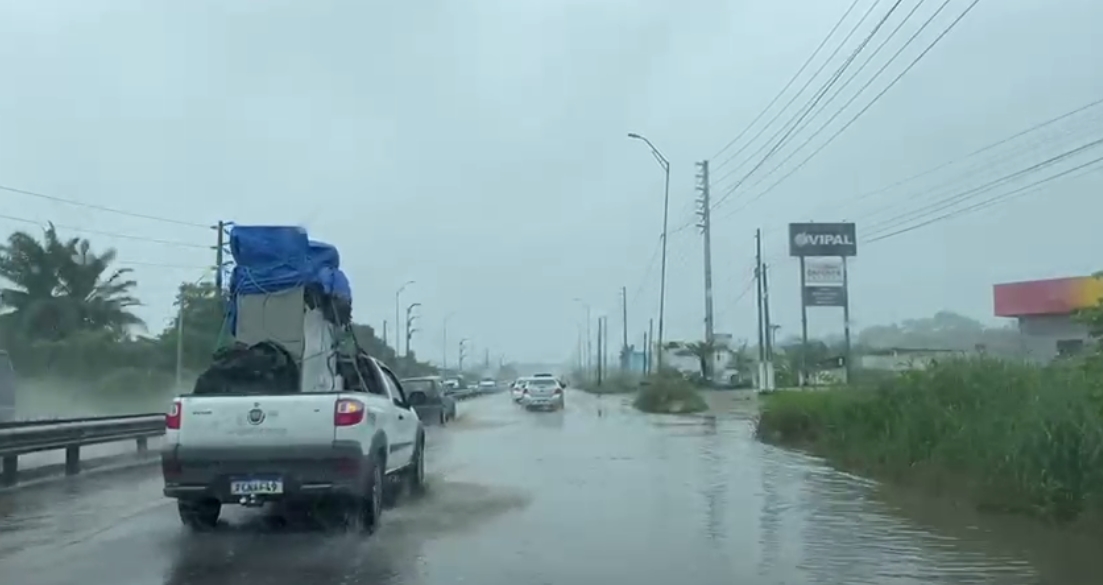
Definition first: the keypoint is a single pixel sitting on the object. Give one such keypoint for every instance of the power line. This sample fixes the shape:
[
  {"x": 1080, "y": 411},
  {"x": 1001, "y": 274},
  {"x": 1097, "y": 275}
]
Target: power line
[
  {"x": 860, "y": 91},
  {"x": 993, "y": 200},
  {"x": 797, "y": 94},
  {"x": 955, "y": 161},
  {"x": 869, "y": 59},
  {"x": 75, "y": 203},
  {"x": 162, "y": 265},
  {"x": 789, "y": 84},
  {"x": 955, "y": 183},
  {"x": 864, "y": 109},
  {"x": 647, "y": 272},
  {"x": 972, "y": 192},
  {"x": 812, "y": 104},
  {"x": 106, "y": 233}
]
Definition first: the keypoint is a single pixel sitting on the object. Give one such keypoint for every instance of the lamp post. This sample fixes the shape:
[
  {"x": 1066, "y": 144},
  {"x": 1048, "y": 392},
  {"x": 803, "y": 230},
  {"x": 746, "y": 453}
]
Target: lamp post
[
  {"x": 665, "y": 164},
  {"x": 410, "y": 329}
]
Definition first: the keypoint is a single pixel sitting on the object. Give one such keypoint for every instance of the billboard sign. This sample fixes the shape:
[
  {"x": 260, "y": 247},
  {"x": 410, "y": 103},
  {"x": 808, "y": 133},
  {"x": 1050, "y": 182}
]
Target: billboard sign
[
  {"x": 824, "y": 271},
  {"x": 822, "y": 239},
  {"x": 825, "y": 296}
]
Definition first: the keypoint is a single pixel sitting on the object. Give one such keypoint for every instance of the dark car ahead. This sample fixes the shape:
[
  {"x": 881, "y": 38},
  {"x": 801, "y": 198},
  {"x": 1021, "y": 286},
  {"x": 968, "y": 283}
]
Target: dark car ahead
[{"x": 428, "y": 398}]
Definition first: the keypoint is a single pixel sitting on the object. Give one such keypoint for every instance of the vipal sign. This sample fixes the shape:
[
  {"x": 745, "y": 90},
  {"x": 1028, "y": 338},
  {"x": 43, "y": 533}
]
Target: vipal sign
[{"x": 822, "y": 239}]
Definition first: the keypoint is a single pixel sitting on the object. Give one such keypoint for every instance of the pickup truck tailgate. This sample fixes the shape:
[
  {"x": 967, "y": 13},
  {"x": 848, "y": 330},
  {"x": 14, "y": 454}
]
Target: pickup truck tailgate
[{"x": 295, "y": 419}]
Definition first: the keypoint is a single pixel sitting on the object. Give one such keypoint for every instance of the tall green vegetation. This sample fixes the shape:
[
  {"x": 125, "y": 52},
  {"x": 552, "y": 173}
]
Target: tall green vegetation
[
  {"x": 1001, "y": 434},
  {"x": 67, "y": 311}
]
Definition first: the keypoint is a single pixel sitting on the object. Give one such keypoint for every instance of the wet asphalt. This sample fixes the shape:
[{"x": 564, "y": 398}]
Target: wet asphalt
[{"x": 596, "y": 494}]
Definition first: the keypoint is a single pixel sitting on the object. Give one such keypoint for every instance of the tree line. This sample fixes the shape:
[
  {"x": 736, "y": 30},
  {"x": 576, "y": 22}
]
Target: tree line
[{"x": 67, "y": 310}]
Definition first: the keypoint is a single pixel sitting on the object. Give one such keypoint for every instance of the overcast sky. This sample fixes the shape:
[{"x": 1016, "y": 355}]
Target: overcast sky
[{"x": 478, "y": 147}]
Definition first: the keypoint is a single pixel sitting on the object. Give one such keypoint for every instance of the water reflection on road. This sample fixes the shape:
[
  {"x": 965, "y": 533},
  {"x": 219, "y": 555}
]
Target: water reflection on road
[{"x": 596, "y": 494}]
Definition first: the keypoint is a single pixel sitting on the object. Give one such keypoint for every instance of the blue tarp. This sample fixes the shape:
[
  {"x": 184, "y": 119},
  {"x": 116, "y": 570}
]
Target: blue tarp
[
  {"x": 270, "y": 259},
  {"x": 274, "y": 258}
]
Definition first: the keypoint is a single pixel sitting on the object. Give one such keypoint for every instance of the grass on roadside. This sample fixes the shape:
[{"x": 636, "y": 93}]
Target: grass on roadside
[
  {"x": 669, "y": 393},
  {"x": 1007, "y": 436}
]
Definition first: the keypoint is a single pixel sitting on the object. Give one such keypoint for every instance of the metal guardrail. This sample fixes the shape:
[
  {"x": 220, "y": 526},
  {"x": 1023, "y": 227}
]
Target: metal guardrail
[{"x": 21, "y": 438}]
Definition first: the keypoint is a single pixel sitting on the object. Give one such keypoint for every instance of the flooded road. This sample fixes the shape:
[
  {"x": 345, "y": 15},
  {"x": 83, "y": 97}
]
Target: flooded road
[{"x": 596, "y": 494}]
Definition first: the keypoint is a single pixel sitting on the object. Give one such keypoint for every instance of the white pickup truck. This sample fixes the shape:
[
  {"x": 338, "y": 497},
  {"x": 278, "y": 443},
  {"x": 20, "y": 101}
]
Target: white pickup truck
[{"x": 343, "y": 453}]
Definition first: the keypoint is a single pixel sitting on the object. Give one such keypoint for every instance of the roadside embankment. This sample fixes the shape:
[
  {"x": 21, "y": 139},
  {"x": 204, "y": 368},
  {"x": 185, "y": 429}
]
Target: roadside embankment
[
  {"x": 660, "y": 393},
  {"x": 1003, "y": 436}
]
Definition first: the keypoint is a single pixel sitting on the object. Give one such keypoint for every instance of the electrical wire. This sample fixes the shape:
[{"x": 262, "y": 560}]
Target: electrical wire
[
  {"x": 106, "y": 233},
  {"x": 857, "y": 94},
  {"x": 76, "y": 203},
  {"x": 956, "y": 161},
  {"x": 789, "y": 84},
  {"x": 1014, "y": 194},
  {"x": 808, "y": 108},
  {"x": 796, "y": 95},
  {"x": 875, "y": 99},
  {"x": 967, "y": 194}
]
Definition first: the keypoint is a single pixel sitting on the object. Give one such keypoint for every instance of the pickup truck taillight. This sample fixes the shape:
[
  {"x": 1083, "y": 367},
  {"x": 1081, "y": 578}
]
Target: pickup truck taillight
[
  {"x": 348, "y": 412},
  {"x": 172, "y": 419}
]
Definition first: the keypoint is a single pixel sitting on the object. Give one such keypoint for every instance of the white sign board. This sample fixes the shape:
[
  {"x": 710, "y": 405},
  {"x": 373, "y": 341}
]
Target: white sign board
[{"x": 820, "y": 272}]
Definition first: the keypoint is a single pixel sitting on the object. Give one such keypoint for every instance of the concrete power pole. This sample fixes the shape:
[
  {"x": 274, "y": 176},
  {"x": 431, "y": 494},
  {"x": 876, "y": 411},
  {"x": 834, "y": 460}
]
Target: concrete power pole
[
  {"x": 624, "y": 326},
  {"x": 219, "y": 254},
  {"x": 706, "y": 230},
  {"x": 761, "y": 322},
  {"x": 600, "y": 351}
]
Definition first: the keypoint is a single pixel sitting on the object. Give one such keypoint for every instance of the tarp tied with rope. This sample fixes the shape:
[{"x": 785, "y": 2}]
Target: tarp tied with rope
[{"x": 270, "y": 259}]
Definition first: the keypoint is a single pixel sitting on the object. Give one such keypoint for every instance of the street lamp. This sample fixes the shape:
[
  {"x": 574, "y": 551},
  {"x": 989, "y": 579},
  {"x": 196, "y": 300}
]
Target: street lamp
[
  {"x": 589, "y": 363},
  {"x": 397, "y": 329},
  {"x": 665, "y": 164},
  {"x": 463, "y": 354}
]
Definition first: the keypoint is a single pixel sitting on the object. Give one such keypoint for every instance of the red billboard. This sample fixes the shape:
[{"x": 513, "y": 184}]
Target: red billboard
[{"x": 1056, "y": 296}]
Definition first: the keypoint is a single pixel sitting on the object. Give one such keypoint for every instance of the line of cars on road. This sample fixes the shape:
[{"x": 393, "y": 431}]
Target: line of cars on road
[
  {"x": 434, "y": 397},
  {"x": 539, "y": 392}
]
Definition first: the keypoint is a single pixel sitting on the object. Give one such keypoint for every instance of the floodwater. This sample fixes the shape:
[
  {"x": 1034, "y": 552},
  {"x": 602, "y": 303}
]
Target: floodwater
[{"x": 597, "y": 494}]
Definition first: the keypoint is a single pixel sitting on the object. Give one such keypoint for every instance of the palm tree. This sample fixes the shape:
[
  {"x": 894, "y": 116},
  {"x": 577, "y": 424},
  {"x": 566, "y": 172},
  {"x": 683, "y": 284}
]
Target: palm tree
[
  {"x": 59, "y": 287},
  {"x": 704, "y": 351}
]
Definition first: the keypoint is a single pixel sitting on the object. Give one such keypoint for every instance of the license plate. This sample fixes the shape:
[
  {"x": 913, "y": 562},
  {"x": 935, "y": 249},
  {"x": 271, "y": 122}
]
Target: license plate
[{"x": 256, "y": 486}]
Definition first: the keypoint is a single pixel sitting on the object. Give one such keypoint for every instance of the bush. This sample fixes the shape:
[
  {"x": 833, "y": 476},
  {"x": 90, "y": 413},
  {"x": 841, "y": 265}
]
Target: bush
[
  {"x": 1009, "y": 436},
  {"x": 669, "y": 393}
]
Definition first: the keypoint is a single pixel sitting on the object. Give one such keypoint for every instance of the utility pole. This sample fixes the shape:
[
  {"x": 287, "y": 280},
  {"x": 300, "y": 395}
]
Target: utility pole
[
  {"x": 705, "y": 213},
  {"x": 444, "y": 341},
  {"x": 766, "y": 312},
  {"x": 385, "y": 335},
  {"x": 651, "y": 344},
  {"x": 600, "y": 340},
  {"x": 486, "y": 359},
  {"x": 219, "y": 253},
  {"x": 624, "y": 323},
  {"x": 761, "y": 314},
  {"x": 706, "y": 230},
  {"x": 410, "y": 329},
  {"x": 767, "y": 327}
]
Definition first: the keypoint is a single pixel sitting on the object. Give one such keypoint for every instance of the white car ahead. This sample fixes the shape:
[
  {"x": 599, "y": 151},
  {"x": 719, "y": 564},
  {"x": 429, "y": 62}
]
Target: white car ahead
[
  {"x": 517, "y": 388},
  {"x": 542, "y": 393}
]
